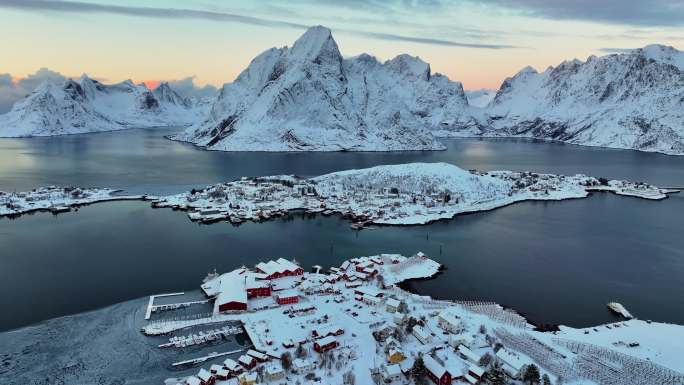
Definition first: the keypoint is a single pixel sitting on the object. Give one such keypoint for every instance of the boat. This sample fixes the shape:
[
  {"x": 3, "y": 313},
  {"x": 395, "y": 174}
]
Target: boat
[
  {"x": 620, "y": 310},
  {"x": 60, "y": 209}
]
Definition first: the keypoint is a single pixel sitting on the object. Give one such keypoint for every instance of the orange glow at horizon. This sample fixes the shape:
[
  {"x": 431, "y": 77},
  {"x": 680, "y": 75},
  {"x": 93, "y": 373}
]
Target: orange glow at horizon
[{"x": 151, "y": 84}]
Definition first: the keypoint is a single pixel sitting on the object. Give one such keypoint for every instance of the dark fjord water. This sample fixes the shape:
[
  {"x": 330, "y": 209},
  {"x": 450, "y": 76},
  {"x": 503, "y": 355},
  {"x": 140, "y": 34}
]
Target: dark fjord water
[{"x": 557, "y": 262}]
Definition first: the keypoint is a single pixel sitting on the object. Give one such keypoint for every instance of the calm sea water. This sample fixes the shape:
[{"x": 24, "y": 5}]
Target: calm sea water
[{"x": 557, "y": 262}]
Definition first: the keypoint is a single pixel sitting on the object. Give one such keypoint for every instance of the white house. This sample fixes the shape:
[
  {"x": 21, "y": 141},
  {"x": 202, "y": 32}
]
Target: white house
[
  {"x": 513, "y": 363},
  {"x": 450, "y": 322},
  {"x": 422, "y": 335},
  {"x": 460, "y": 339},
  {"x": 302, "y": 365},
  {"x": 469, "y": 354},
  {"x": 391, "y": 372},
  {"x": 274, "y": 372},
  {"x": 392, "y": 305}
]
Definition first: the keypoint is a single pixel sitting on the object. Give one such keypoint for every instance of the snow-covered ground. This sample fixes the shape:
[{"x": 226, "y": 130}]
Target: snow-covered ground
[
  {"x": 374, "y": 325},
  {"x": 55, "y": 199},
  {"x": 405, "y": 194}
]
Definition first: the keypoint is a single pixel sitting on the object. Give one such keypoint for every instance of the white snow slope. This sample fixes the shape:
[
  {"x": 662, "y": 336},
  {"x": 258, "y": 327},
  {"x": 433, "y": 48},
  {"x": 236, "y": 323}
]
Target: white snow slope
[
  {"x": 633, "y": 100},
  {"x": 309, "y": 98},
  {"x": 86, "y": 105}
]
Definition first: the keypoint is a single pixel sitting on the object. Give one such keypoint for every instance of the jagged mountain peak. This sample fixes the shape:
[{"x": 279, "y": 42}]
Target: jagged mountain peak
[
  {"x": 166, "y": 94},
  {"x": 316, "y": 44},
  {"x": 308, "y": 97},
  {"x": 410, "y": 65},
  {"x": 663, "y": 54}
]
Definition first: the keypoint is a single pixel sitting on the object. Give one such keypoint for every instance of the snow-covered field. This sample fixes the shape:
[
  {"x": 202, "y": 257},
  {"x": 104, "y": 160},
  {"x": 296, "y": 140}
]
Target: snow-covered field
[{"x": 406, "y": 194}]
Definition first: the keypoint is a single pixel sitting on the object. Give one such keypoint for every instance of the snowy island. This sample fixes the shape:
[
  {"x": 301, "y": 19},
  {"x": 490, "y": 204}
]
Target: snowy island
[
  {"x": 353, "y": 325},
  {"x": 405, "y": 194},
  {"x": 55, "y": 199}
]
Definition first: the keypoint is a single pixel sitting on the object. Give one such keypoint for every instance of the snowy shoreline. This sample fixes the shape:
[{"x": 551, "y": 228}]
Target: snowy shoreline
[{"x": 56, "y": 199}]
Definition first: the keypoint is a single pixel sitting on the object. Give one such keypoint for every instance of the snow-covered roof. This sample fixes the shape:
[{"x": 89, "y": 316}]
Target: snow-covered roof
[
  {"x": 288, "y": 293},
  {"x": 449, "y": 318},
  {"x": 369, "y": 291},
  {"x": 326, "y": 329},
  {"x": 256, "y": 354},
  {"x": 280, "y": 266},
  {"x": 204, "y": 375},
  {"x": 476, "y": 369},
  {"x": 433, "y": 366},
  {"x": 514, "y": 360},
  {"x": 469, "y": 354},
  {"x": 421, "y": 333},
  {"x": 232, "y": 289},
  {"x": 245, "y": 359},
  {"x": 326, "y": 341},
  {"x": 393, "y": 370},
  {"x": 393, "y": 302},
  {"x": 231, "y": 364},
  {"x": 273, "y": 369},
  {"x": 193, "y": 381},
  {"x": 301, "y": 363}
]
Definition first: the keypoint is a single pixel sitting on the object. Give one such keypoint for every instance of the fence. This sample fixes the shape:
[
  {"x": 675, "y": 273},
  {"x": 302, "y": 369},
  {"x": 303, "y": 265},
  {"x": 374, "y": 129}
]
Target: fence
[{"x": 607, "y": 366}]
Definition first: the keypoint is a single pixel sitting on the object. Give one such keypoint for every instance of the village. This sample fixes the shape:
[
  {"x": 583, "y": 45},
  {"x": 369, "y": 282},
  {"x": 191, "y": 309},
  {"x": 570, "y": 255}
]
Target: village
[
  {"x": 55, "y": 199},
  {"x": 409, "y": 194},
  {"x": 353, "y": 324}
]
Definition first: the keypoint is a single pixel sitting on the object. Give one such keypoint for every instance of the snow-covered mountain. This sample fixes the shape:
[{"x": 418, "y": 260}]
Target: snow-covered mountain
[
  {"x": 86, "y": 105},
  {"x": 309, "y": 98},
  {"x": 481, "y": 97},
  {"x": 633, "y": 100}
]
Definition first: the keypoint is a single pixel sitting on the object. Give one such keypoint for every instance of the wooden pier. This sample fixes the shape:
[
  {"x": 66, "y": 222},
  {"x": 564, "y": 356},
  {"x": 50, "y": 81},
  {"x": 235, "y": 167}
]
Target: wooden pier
[
  {"x": 199, "y": 360},
  {"x": 150, "y": 304}
]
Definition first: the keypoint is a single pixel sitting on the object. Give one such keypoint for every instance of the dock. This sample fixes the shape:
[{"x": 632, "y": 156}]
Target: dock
[
  {"x": 199, "y": 360},
  {"x": 201, "y": 337},
  {"x": 150, "y": 304}
]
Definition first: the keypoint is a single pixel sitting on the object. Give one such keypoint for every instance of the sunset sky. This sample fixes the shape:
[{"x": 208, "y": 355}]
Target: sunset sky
[{"x": 476, "y": 42}]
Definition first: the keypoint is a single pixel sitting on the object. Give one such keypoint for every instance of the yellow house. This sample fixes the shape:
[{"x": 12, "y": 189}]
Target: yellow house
[
  {"x": 248, "y": 379},
  {"x": 395, "y": 356}
]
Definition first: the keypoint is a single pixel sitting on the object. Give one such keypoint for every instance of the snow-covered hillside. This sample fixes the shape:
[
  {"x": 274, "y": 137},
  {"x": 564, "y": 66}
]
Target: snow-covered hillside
[
  {"x": 309, "y": 98},
  {"x": 86, "y": 105},
  {"x": 480, "y": 98},
  {"x": 633, "y": 100}
]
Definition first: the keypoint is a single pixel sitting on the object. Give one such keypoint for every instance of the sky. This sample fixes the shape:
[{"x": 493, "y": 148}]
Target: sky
[{"x": 204, "y": 42}]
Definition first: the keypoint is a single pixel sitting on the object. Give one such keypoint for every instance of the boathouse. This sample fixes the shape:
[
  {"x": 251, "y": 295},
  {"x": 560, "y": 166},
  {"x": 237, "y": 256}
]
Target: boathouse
[{"x": 232, "y": 295}]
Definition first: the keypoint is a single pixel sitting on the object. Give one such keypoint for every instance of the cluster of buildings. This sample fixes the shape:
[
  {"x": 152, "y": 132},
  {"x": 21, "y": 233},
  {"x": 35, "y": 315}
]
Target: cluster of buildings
[
  {"x": 357, "y": 315},
  {"x": 233, "y": 290}
]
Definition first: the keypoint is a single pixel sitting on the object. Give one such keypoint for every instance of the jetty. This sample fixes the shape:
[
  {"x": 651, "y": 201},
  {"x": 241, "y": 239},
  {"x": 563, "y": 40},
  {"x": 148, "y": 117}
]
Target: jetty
[
  {"x": 199, "y": 360},
  {"x": 151, "y": 306},
  {"x": 201, "y": 337},
  {"x": 617, "y": 308}
]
